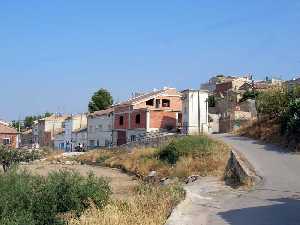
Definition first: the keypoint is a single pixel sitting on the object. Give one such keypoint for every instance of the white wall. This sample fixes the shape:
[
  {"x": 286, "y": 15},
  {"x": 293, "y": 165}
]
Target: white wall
[
  {"x": 58, "y": 141},
  {"x": 100, "y": 130},
  {"x": 192, "y": 103}
]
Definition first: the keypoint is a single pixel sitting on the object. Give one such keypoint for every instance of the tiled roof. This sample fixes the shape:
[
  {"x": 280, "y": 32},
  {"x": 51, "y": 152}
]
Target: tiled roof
[
  {"x": 56, "y": 117},
  {"x": 7, "y": 130},
  {"x": 145, "y": 97},
  {"x": 102, "y": 112}
]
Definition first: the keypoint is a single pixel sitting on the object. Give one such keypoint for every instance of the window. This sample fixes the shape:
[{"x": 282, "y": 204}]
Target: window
[
  {"x": 138, "y": 119},
  {"x": 150, "y": 102},
  {"x": 157, "y": 103},
  {"x": 166, "y": 103},
  {"x": 6, "y": 141},
  {"x": 133, "y": 138},
  {"x": 121, "y": 120}
]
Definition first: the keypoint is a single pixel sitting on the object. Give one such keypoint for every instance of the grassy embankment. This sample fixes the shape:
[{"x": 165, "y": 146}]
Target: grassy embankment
[{"x": 191, "y": 155}]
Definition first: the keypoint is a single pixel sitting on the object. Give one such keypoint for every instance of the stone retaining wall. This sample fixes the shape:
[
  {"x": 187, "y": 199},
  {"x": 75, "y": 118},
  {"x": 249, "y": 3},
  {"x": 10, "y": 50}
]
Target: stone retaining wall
[{"x": 239, "y": 171}]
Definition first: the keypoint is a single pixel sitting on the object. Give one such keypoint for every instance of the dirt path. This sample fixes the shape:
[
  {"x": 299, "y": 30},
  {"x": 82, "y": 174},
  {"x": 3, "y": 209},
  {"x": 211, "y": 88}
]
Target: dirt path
[{"x": 122, "y": 184}]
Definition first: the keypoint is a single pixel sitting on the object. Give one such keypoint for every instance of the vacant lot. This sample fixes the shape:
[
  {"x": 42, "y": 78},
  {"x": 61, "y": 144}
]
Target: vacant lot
[{"x": 122, "y": 184}]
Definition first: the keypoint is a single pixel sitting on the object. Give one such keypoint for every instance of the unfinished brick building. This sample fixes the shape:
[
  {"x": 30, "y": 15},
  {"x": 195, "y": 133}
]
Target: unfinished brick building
[{"x": 154, "y": 111}]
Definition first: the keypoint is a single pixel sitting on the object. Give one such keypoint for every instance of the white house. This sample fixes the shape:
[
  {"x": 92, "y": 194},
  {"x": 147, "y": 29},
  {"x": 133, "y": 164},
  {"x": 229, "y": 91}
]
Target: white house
[
  {"x": 194, "y": 111},
  {"x": 71, "y": 124},
  {"x": 100, "y": 128},
  {"x": 59, "y": 141},
  {"x": 80, "y": 137}
]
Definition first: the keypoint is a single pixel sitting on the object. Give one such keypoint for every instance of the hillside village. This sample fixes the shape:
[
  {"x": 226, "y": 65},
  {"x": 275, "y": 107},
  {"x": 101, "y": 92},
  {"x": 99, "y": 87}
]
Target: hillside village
[{"x": 220, "y": 106}]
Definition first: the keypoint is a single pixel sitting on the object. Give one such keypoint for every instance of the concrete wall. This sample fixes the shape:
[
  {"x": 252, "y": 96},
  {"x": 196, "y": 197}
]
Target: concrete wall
[
  {"x": 195, "y": 111},
  {"x": 100, "y": 130},
  {"x": 240, "y": 172}
]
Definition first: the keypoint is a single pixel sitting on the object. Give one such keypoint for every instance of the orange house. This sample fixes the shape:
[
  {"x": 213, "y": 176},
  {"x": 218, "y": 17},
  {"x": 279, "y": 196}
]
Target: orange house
[
  {"x": 8, "y": 136},
  {"x": 159, "y": 110}
]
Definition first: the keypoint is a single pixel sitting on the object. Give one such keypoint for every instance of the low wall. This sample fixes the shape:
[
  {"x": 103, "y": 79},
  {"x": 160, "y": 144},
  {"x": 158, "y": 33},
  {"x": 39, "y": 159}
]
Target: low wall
[
  {"x": 240, "y": 172},
  {"x": 150, "y": 142}
]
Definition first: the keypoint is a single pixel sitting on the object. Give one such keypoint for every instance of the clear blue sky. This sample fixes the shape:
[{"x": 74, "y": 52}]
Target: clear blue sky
[{"x": 55, "y": 54}]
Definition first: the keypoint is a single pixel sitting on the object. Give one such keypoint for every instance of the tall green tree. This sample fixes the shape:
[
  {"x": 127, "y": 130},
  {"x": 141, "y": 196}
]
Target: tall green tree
[{"x": 101, "y": 100}]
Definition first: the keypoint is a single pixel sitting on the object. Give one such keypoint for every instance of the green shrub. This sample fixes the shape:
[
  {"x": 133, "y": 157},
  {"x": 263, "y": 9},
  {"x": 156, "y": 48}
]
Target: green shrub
[
  {"x": 10, "y": 156},
  {"x": 291, "y": 119},
  {"x": 35, "y": 200},
  {"x": 189, "y": 145}
]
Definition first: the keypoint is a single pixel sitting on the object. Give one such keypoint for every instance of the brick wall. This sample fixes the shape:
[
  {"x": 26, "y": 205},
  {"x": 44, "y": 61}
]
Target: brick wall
[
  {"x": 162, "y": 120},
  {"x": 143, "y": 119},
  {"x": 125, "y": 121},
  {"x": 12, "y": 137}
]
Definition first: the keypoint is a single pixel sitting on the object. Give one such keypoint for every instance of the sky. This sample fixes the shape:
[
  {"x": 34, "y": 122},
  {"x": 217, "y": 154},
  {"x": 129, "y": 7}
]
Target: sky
[{"x": 55, "y": 54}]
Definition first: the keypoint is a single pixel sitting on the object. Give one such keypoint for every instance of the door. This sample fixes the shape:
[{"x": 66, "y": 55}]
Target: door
[{"x": 121, "y": 138}]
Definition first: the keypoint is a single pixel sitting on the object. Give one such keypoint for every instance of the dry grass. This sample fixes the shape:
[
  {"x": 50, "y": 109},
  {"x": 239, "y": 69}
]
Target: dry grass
[
  {"x": 54, "y": 155},
  {"x": 142, "y": 161},
  {"x": 151, "y": 205},
  {"x": 265, "y": 130}
]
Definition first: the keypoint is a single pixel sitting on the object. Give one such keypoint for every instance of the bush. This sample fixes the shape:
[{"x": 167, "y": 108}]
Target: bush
[
  {"x": 291, "y": 119},
  {"x": 273, "y": 102},
  {"x": 190, "y": 145},
  {"x": 34, "y": 200},
  {"x": 10, "y": 156}
]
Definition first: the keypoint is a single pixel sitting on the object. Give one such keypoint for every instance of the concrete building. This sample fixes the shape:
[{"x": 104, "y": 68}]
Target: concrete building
[
  {"x": 195, "y": 111},
  {"x": 100, "y": 128},
  {"x": 35, "y": 134},
  {"x": 158, "y": 110},
  {"x": 27, "y": 139},
  {"x": 59, "y": 141},
  {"x": 9, "y": 136},
  {"x": 80, "y": 138},
  {"x": 71, "y": 124},
  {"x": 48, "y": 127}
]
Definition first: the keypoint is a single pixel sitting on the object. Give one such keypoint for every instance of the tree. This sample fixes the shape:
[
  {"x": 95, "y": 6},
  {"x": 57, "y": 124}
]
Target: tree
[
  {"x": 11, "y": 156},
  {"x": 101, "y": 100},
  {"x": 273, "y": 102},
  {"x": 29, "y": 121},
  {"x": 249, "y": 95}
]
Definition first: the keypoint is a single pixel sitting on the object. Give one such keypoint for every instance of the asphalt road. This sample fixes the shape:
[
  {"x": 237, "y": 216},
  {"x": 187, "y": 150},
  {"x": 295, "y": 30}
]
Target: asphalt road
[{"x": 276, "y": 201}]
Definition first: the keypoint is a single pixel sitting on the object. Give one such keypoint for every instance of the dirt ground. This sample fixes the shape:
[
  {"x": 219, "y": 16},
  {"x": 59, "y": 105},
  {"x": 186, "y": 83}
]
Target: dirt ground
[{"x": 121, "y": 183}]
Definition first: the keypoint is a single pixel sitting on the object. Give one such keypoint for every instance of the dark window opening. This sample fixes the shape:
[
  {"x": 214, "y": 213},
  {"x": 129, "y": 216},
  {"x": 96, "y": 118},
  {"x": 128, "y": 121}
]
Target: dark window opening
[
  {"x": 166, "y": 103},
  {"x": 133, "y": 138},
  {"x": 138, "y": 119},
  {"x": 121, "y": 121},
  {"x": 157, "y": 103},
  {"x": 150, "y": 102},
  {"x": 6, "y": 141}
]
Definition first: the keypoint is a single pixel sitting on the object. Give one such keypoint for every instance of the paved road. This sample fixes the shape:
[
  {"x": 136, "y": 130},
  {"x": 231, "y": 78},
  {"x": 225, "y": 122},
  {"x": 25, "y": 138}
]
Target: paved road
[{"x": 276, "y": 201}]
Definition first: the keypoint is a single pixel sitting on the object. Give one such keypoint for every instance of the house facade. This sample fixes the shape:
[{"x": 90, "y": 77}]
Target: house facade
[
  {"x": 159, "y": 110},
  {"x": 80, "y": 138},
  {"x": 71, "y": 124},
  {"x": 59, "y": 141},
  {"x": 48, "y": 127},
  {"x": 9, "y": 136},
  {"x": 27, "y": 139},
  {"x": 195, "y": 112},
  {"x": 100, "y": 128}
]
